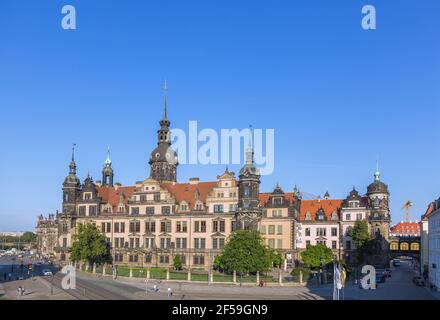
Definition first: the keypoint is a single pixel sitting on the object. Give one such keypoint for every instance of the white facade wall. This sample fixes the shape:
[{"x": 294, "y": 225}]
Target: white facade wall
[{"x": 434, "y": 248}]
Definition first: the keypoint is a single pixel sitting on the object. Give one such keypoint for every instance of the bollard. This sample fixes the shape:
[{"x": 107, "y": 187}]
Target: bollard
[
  {"x": 94, "y": 268},
  {"x": 189, "y": 274},
  {"x": 103, "y": 271},
  {"x": 300, "y": 277},
  {"x": 280, "y": 278},
  {"x": 258, "y": 277},
  {"x": 131, "y": 273},
  {"x": 148, "y": 274},
  {"x": 168, "y": 274}
]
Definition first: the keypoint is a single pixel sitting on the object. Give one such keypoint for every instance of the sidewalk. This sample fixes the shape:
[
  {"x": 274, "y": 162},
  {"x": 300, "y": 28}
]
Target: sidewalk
[{"x": 37, "y": 289}]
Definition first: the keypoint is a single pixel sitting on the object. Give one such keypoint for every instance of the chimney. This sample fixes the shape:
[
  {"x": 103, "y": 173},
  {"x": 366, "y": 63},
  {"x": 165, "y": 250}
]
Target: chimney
[{"x": 194, "y": 181}]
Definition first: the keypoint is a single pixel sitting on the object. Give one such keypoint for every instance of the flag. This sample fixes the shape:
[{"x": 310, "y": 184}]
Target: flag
[
  {"x": 338, "y": 278},
  {"x": 344, "y": 276}
]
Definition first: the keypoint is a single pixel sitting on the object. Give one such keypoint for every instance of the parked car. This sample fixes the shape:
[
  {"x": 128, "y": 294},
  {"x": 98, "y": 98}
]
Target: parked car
[
  {"x": 397, "y": 263},
  {"x": 419, "y": 281},
  {"x": 47, "y": 273}
]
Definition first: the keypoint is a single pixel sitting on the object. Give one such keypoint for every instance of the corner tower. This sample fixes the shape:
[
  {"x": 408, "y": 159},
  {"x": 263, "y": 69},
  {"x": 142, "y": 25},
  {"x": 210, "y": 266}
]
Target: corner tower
[
  {"x": 249, "y": 211},
  {"x": 71, "y": 188},
  {"x": 379, "y": 207},
  {"x": 163, "y": 159}
]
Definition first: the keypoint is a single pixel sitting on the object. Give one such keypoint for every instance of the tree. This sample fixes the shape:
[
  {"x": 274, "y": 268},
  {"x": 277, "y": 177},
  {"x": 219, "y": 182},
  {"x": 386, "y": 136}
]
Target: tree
[
  {"x": 316, "y": 256},
  {"x": 177, "y": 262},
  {"x": 245, "y": 253},
  {"x": 277, "y": 259},
  {"x": 89, "y": 245},
  {"x": 359, "y": 233}
]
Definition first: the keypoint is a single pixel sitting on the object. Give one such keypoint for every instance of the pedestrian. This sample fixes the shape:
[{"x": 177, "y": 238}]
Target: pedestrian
[
  {"x": 170, "y": 293},
  {"x": 9, "y": 276},
  {"x": 155, "y": 289},
  {"x": 19, "y": 291}
]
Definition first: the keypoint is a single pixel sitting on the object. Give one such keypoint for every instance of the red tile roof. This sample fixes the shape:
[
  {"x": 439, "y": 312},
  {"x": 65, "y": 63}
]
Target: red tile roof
[
  {"x": 312, "y": 206},
  {"x": 111, "y": 195},
  {"x": 187, "y": 191},
  {"x": 406, "y": 228},
  {"x": 264, "y": 197}
]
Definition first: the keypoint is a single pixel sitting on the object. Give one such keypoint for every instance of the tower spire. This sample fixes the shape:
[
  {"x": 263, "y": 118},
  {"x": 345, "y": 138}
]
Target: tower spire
[
  {"x": 73, "y": 152},
  {"x": 250, "y": 150},
  {"x": 377, "y": 173},
  {"x": 108, "y": 161},
  {"x": 165, "y": 100}
]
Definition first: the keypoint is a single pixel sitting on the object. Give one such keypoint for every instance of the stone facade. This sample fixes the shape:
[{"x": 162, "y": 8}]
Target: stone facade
[{"x": 152, "y": 221}]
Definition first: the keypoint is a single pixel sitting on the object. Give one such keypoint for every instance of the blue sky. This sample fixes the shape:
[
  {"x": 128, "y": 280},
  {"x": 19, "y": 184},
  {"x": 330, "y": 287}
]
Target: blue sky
[{"x": 336, "y": 95}]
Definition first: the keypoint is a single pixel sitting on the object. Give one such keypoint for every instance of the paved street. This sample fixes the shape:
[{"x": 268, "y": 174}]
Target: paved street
[
  {"x": 398, "y": 287},
  {"x": 93, "y": 287}
]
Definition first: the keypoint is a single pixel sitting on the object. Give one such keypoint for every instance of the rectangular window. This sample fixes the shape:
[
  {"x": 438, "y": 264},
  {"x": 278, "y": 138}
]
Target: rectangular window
[
  {"x": 122, "y": 227},
  {"x": 135, "y": 211},
  {"x": 165, "y": 226},
  {"x": 359, "y": 216},
  {"x": 280, "y": 243},
  {"x": 157, "y": 197},
  {"x": 165, "y": 243},
  {"x": 307, "y": 243},
  {"x": 333, "y": 244},
  {"x": 164, "y": 259},
  {"x": 181, "y": 243},
  {"x": 92, "y": 211},
  {"x": 149, "y": 211},
  {"x": 109, "y": 227},
  {"x": 334, "y": 232},
  {"x": 222, "y": 226},
  {"x": 348, "y": 217},
  {"x": 263, "y": 229},
  {"x": 215, "y": 243},
  {"x": 148, "y": 258},
  {"x": 143, "y": 198},
  {"x": 149, "y": 243},
  {"x": 150, "y": 227},
  {"x": 307, "y": 232},
  {"x": 166, "y": 210},
  {"x": 82, "y": 211},
  {"x": 321, "y": 232},
  {"x": 135, "y": 227},
  {"x": 214, "y": 226},
  {"x": 271, "y": 243},
  {"x": 200, "y": 226},
  {"x": 218, "y": 208},
  {"x": 181, "y": 227},
  {"x": 279, "y": 229},
  {"x": 64, "y": 242},
  {"x": 271, "y": 229},
  {"x": 199, "y": 260}
]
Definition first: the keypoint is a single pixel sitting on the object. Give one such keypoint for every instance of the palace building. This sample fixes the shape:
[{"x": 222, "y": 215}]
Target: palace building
[{"x": 150, "y": 222}]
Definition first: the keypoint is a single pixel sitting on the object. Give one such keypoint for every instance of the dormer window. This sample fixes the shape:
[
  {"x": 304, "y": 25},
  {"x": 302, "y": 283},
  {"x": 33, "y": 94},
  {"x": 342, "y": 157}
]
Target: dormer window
[
  {"x": 277, "y": 201},
  {"x": 183, "y": 206},
  {"x": 308, "y": 216},
  {"x": 334, "y": 216},
  {"x": 320, "y": 215}
]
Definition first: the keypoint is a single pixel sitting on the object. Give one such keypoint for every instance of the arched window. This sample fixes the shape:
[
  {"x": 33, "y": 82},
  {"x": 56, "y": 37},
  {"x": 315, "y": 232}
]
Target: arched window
[
  {"x": 415, "y": 246},
  {"x": 394, "y": 246},
  {"x": 404, "y": 246}
]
